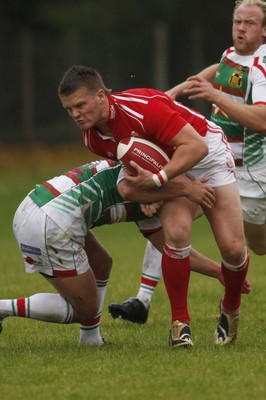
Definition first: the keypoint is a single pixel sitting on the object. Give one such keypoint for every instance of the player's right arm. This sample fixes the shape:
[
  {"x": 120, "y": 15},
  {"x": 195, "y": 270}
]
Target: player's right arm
[
  {"x": 252, "y": 116},
  {"x": 182, "y": 186},
  {"x": 207, "y": 73}
]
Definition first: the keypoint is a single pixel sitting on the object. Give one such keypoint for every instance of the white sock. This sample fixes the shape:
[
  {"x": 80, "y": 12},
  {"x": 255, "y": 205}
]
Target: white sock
[
  {"x": 90, "y": 333},
  {"x": 151, "y": 273},
  {"x": 48, "y": 307}
]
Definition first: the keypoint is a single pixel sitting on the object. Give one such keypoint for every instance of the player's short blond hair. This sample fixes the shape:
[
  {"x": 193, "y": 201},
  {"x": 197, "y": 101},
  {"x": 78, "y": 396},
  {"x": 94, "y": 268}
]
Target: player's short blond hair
[{"x": 259, "y": 3}]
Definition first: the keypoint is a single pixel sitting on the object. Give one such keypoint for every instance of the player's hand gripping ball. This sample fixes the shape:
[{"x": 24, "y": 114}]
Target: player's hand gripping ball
[{"x": 145, "y": 153}]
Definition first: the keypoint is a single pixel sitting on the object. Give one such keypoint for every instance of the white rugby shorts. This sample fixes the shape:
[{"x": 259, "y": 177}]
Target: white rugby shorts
[
  {"x": 149, "y": 226},
  {"x": 44, "y": 246},
  {"x": 218, "y": 165},
  {"x": 252, "y": 188}
]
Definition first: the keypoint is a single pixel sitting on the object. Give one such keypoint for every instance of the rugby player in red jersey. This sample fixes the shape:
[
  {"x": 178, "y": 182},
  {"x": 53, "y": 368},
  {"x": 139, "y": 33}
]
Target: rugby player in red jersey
[{"x": 197, "y": 148}]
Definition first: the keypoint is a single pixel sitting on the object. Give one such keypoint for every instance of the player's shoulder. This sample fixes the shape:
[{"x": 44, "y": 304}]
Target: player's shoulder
[
  {"x": 261, "y": 52},
  {"x": 259, "y": 64},
  {"x": 102, "y": 165},
  {"x": 228, "y": 52},
  {"x": 138, "y": 93},
  {"x": 93, "y": 168},
  {"x": 238, "y": 59}
]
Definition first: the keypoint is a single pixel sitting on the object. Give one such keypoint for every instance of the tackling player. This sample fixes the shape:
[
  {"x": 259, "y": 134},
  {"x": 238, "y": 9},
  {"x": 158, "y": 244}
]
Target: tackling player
[{"x": 52, "y": 226}]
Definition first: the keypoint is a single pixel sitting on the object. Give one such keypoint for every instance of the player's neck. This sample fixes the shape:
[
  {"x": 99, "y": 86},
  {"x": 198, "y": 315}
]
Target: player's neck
[{"x": 104, "y": 129}]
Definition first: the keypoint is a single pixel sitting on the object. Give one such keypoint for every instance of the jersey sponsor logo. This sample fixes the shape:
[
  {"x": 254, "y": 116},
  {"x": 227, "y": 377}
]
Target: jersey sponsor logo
[
  {"x": 230, "y": 163},
  {"x": 112, "y": 112},
  {"x": 236, "y": 80},
  {"x": 29, "y": 260},
  {"x": 30, "y": 249},
  {"x": 264, "y": 60}
]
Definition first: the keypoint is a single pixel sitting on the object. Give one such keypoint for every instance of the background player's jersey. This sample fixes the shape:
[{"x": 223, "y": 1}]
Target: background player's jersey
[
  {"x": 85, "y": 197},
  {"x": 145, "y": 113},
  {"x": 243, "y": 79}
]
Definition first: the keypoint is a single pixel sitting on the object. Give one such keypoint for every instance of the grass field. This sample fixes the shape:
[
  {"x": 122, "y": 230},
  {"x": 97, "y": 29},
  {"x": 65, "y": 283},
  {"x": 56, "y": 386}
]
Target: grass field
[{"x": 42, "y": 361}]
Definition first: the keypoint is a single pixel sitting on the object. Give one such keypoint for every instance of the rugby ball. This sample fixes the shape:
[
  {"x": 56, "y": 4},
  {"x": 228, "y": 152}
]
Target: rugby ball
[{"x": 145, "y": 153}]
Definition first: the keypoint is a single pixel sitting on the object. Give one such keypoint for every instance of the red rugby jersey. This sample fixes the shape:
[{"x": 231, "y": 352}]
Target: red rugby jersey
[{"x": 145, "y": 113}]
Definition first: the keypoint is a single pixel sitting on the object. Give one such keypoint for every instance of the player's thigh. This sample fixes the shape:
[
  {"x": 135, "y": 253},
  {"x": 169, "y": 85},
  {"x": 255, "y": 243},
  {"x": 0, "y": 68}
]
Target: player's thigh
[
  {"x": 176, "y": 217},
  {"x": 99, "y": 258},
  {"x": 157, "y": 240},
  {"x": 225, "y": 218},
  {"x": 256, "y": 237},
  {"x": 80, "y": 291}
]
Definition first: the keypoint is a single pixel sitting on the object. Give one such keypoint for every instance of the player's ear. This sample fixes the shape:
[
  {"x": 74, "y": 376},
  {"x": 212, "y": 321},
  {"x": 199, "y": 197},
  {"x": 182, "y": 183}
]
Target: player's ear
[
  {"x": 264, "y": 32},
  {"x": 100, "y": 94}
]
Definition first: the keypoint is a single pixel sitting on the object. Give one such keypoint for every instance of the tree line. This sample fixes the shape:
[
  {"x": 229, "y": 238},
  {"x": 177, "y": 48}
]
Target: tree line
[{"x": 132, "y": 43}]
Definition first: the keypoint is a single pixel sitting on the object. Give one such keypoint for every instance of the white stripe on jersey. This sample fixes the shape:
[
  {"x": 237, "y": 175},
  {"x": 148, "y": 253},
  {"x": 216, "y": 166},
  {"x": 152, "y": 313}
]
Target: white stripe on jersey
[
  {"x": 62, "y": 183},
  {"x": 137, "y": 100},
  {"x": 132, "y": 114},
  {"x": 138, "y": 97},
  {"x": 136, "y": 114},
  {"x": 190, "y": 110}
]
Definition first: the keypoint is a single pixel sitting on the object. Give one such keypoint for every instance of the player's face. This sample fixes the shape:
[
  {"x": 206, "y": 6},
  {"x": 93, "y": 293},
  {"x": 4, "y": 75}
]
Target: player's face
[
  {"x": 85, "y": 108},
  {"x": 248, "y": 32}
]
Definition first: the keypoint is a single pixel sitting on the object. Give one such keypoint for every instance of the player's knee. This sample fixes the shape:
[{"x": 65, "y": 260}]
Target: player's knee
[
  {"x": 233, "y": 252},
  {"x": 177, "y": 235}
]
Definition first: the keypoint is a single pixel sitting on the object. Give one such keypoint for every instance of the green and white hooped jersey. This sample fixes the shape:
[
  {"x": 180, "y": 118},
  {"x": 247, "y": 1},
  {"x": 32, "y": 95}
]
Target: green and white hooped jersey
[
  {"x": 84, "y": 198},
  {"x": 243, "y": 79}
]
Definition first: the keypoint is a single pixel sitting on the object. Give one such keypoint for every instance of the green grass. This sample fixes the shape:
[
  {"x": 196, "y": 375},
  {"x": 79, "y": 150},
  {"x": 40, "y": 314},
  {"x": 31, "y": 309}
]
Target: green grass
[{"x": 42, "y": 361}]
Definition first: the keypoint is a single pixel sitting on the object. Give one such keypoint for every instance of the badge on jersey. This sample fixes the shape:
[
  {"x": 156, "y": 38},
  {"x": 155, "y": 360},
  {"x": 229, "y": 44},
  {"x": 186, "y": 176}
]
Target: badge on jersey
[{"x": 236, "y": 79}]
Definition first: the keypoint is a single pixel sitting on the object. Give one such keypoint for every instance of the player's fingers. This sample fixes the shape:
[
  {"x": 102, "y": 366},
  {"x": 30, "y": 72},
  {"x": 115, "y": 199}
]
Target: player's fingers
[
  {"x": 194, "y": 97},
  {"x": 211, "y": 196},
  {"x": 192, "y": 78},
  {"x": 128, "y": 176},
  {"x": 204, "y": 180},
  {"x": 209, "y": 200},
  {"x": 135, "y": 166},
  {"x": 246, "y": 288}
]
